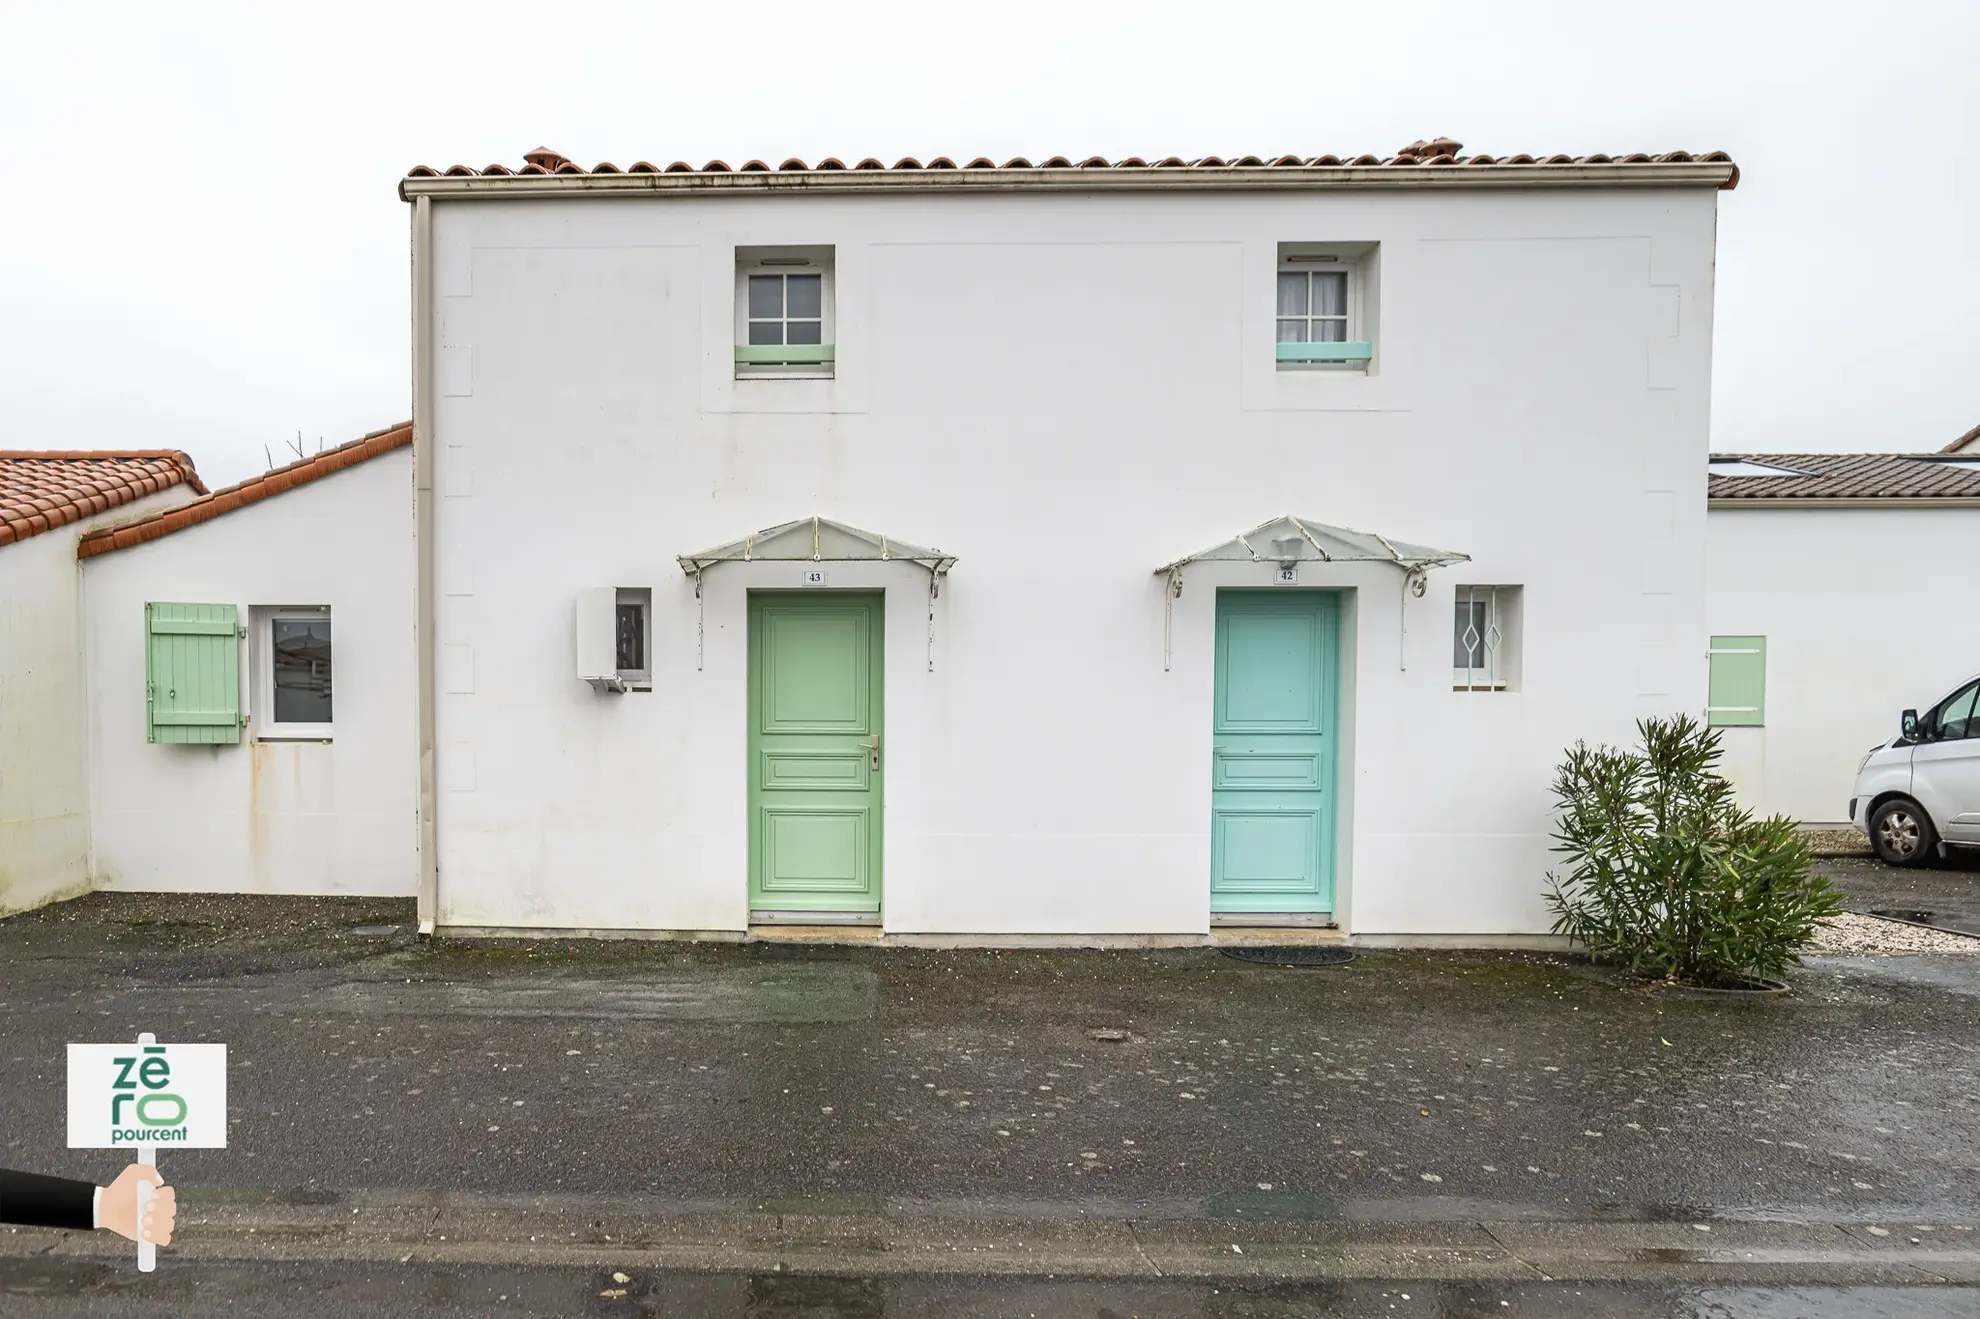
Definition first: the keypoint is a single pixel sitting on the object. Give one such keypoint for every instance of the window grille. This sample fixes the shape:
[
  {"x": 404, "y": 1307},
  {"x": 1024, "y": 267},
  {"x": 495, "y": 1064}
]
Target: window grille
[{"x": 1478, "y": 640}]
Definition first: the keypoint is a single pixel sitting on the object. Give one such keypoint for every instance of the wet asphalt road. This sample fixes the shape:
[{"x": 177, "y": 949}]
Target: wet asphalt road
[
  {"x": 65, "y": 1289},
  {"x": 1439, "y": 1085}
]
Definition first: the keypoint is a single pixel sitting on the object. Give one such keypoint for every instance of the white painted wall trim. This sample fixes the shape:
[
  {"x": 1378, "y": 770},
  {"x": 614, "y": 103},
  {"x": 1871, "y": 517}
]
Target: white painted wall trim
[
  {"x": 1654, "y": 174},
  {"x": 426, "y": 844}
]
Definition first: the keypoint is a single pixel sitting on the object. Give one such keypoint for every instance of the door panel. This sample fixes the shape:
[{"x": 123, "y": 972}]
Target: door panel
[
  {"x": 1272, "y": 756},
  {"x": 815, "y": 664}
]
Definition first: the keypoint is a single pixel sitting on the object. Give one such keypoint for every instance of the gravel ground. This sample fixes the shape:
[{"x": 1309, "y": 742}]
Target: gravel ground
[
  {"x": 1850, "y": 935},
  {"x": 1836, "y": 842}
]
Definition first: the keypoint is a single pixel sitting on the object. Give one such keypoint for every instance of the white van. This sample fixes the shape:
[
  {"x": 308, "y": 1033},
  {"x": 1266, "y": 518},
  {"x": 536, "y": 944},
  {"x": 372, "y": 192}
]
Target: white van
[{"x": 1919, "y": 793}]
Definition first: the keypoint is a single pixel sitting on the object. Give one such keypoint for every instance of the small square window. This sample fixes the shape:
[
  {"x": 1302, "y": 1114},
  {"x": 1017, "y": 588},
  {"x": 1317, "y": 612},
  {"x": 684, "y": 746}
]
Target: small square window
[
  {"x": 784, "y": 317},
  {"x": 294, "y": 673},
  {"x": 1485, "y": 638},
  {"x": 633, "y": 635},
  {"x": 1325, "y": 313}
]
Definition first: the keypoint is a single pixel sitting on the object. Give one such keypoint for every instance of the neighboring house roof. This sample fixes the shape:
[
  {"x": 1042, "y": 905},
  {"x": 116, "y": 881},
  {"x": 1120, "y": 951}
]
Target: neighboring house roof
[
  {"x": 1966, "y": 442},
  {"x": 251, "y": 491},
  {"x": 41, "y": 489},
  {"x": 1895, "y": 478},
  {"x": 1438, "y": 160}
]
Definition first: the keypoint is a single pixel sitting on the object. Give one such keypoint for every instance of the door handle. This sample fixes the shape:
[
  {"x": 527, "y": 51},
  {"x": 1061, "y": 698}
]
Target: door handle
[{"x": 873, "y": 744}]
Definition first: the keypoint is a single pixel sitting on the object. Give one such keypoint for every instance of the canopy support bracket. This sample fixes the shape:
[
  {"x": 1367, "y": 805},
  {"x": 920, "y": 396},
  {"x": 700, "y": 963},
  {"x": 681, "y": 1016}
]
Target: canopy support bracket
[
  {"x": 1170, "y": 594},
  {"x": 934, "y": 590},
  {"x": 700, "y": 612}
]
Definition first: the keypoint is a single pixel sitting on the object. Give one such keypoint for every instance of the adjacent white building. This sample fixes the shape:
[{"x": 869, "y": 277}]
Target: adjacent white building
[
  {"x": 48, "y": 500},
  {"x": 1839, "y": 592},
  {"x": 1104, "y": 550},
  {"x": 249, "y": 663}
]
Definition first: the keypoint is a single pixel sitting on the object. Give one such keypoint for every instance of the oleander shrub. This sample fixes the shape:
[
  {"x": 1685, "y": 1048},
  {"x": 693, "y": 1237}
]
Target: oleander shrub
[{"x": 1667, "y": 876}]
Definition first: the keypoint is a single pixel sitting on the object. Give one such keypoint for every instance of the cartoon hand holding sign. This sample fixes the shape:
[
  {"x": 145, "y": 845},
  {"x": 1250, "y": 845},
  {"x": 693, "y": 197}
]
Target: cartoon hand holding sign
[{"x": 138, "y": 1097}]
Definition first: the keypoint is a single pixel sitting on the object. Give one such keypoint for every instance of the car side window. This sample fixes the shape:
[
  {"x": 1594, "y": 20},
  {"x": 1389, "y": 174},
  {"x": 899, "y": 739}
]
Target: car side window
[{"x": 1957, "y": 717}]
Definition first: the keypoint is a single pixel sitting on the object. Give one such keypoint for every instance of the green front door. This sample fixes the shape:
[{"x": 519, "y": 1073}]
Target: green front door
[
  {"x": 1273, "y": 746},
  {"x": 815, "y": 661}
]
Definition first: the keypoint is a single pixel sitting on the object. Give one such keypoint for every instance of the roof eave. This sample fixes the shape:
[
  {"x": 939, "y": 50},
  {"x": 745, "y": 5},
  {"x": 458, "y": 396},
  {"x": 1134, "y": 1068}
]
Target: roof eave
[
  {"x": 1772, "y": 502},
  {"x": 1650, "y": 174}
]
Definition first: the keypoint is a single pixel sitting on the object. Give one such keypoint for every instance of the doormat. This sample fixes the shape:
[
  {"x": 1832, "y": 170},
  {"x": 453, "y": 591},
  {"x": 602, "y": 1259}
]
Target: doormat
[{"x": 1291, "y": 956}]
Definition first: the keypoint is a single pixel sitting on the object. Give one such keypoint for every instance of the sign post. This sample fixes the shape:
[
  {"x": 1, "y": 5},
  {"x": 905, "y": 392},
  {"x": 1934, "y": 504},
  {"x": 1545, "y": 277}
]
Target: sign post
[{"x": 141, "y": 1096}]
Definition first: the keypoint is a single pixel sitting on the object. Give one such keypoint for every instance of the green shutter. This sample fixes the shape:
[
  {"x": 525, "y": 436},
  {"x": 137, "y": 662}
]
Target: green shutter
[
  {"x": 192, "y": 673},
  {"x": 1736, "y": 692}
]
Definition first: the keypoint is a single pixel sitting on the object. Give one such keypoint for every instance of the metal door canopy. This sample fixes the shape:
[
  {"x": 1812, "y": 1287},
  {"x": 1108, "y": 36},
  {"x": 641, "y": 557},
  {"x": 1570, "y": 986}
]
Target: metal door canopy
[
  {"x": 821, "y": 540},
  {"x": 1302, "y": 540},
  {"x": 817, "y": 540},
  {"x": 1289, "y": 540}
]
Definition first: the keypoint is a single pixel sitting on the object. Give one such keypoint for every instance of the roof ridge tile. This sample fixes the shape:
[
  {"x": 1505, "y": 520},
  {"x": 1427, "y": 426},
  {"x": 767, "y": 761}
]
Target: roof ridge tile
[{"x": 243, "y": 493}]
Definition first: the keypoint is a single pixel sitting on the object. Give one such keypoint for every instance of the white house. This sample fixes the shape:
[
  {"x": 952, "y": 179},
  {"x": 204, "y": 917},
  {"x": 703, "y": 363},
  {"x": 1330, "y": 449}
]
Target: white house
[
  {"x": 1840, "y": 591},
  {"x": 249, "y": 666},
  {"x": 48, "y": 500},
  {"x": 1113, "y": 549}
]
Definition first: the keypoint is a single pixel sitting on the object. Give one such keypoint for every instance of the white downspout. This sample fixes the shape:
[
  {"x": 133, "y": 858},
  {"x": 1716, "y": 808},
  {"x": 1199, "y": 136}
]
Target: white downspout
[{"x": 423, "y": 642}]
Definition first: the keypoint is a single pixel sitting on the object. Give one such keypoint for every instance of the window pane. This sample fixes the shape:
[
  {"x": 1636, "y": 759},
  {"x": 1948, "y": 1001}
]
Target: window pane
[
  {"x": 805, "y": 332},
  {"x": 766, "y": 296},
  {"x": 1330, "y": 293},
  {"x": 1334, "y": 331},
  {"x": 301, "y": 669},
  {"x": 766, "y": 332},
  {"x": 1292, "y": 331},
  {"x": 1956, "y": 719},
  {"x": 632, "y": 639},
  {"x": 806, "y": 294},
  {"x": 1292, "y": 295},
  {"x": 1468, "y": 652}
]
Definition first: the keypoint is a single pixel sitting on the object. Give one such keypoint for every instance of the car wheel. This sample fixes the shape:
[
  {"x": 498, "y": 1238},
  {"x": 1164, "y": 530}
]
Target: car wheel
[{"x": 1901, "y": 833}]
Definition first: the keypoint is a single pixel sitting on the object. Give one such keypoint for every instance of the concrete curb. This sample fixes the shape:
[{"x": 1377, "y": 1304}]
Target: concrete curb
[{"x": 651, "y": 1234}]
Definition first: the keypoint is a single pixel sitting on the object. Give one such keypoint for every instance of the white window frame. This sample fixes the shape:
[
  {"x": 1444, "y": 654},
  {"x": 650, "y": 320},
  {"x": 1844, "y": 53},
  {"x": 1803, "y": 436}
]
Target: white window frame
[
  {"x": 1350, "y": 319},
  {"x": 639, "y": 680},
  {"x": 799, "y": 261},
  {"x": 1357, "y": 261},
  {"x": 266, "y": 728},
  {"x": 1497, "y": 641}
]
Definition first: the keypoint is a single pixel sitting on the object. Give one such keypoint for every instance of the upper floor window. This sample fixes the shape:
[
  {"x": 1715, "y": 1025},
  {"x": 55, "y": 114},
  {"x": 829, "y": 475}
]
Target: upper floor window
[
  {"x": 1325, "y": 314},
  {"x": 784, "y": 319},
  {"x": 1313, "y": 306}
]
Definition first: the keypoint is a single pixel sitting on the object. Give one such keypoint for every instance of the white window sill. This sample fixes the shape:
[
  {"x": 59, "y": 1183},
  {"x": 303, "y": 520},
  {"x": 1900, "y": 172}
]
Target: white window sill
[
  {"x": 296, "y": 733},
  {"x": 772, "y": 373},
  {"x": 1351, "y": 368}
]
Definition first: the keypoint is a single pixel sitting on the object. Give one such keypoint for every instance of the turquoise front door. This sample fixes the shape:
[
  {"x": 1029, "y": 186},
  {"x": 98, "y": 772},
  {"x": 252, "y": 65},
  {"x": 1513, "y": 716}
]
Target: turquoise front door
[
  {"x": 815, "y": 755},
  {"x": 1272, "y": 759}
]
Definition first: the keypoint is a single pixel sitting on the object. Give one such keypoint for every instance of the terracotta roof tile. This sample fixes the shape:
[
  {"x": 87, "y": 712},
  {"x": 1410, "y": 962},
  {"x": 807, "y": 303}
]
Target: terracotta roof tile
[
  {"x": 1966, "y": 442},
  {"x": 251, "y": 491},
  {"x": 1849, "y": 476},
  {"x": 44, "y": 489},
  {"x": 1438, "y": 151}
]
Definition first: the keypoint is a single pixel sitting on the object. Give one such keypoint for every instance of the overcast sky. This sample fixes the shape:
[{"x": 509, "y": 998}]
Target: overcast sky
[{"x": 205, "y": 249}]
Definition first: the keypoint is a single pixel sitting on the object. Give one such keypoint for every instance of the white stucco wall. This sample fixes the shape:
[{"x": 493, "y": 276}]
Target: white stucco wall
[
  {"x": 44, "y": 814},
  {"x": 1066, "y": 392},
  {"x": 1866, "y": 612},
  {"x": 266, "y": 816}
]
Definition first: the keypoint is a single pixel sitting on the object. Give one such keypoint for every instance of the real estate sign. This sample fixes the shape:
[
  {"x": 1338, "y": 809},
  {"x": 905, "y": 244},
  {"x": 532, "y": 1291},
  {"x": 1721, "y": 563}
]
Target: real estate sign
[{"x": 122, "y": 1096}]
